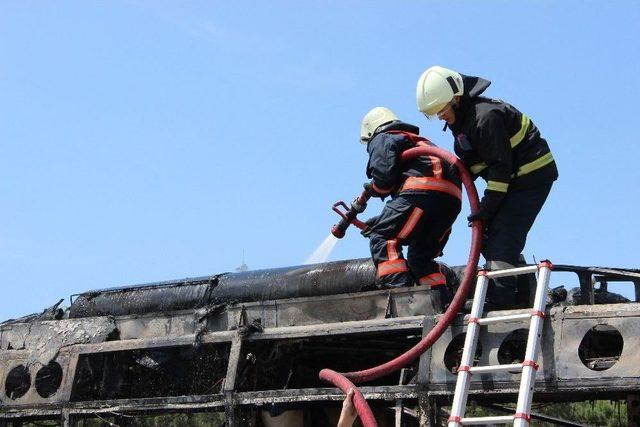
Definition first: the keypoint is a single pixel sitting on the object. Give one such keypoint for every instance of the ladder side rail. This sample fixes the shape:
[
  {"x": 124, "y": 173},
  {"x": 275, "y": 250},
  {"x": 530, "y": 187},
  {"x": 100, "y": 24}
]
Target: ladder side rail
[
  {"x": 463, "y": 379},
  {"x": 527, "y": 382}
]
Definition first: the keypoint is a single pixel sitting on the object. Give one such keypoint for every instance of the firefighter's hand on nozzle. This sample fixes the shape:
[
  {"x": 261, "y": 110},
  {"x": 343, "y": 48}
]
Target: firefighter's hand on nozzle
[
  {"x": 372, "y": 192},
  {"x": 367, "y": 186},
  {"x": 367, "y": 231}
]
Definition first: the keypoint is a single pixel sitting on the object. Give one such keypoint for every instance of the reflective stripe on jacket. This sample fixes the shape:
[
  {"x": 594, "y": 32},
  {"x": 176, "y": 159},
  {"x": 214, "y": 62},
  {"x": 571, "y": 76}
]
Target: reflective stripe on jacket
[{"x": 504, "y": 146}]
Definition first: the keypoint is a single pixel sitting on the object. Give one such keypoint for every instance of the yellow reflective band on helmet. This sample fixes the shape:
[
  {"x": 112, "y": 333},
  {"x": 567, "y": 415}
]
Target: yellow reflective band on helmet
[
  {"x": 540, "y": 162},
  {"x": 497, "y": 186},
  {"x": 478, "y": 167},
  {"x": 524, "y": 127}
]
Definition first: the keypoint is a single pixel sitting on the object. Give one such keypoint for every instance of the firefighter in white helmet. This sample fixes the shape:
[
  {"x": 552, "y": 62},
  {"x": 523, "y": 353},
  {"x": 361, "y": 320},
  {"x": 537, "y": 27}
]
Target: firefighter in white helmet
[
  {"x": 502, "y": 145},
  {"x": 425, "y": 201}
]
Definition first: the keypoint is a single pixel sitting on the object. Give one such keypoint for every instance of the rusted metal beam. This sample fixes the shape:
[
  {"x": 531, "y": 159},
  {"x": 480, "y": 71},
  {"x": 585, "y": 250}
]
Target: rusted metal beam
[
  {"x": 65, "y": 418},
  {"x": 399, "y": 409},
  {"x": 633, "y": 410},
  {"x": 429, "y": 411},
  {"x": 586, "y": 288},
  {"x": 230, "y": 380},
  {"x": 341, "y": 328},
  {"x": 424, "y": 365}
]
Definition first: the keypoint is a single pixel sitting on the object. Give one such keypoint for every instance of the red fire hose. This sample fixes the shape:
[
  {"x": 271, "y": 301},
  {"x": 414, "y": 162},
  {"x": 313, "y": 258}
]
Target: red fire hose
[{"x": 342, "y": 380}]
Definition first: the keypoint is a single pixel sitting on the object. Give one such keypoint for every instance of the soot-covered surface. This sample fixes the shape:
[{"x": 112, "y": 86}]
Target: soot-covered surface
[{"x": 291, "y": 282}]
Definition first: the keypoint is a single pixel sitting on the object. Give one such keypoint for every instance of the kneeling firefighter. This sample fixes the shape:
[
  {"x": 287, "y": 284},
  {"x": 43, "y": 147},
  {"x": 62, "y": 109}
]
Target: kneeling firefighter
[
  {"x": 425, "y": 201},
  {"x": 502, "y": 145}
]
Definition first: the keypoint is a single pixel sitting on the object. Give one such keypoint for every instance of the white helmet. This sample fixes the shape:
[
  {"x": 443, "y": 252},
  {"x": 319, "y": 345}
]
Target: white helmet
[
  {"x": 436, "y": 88},
  {"x": 375, "y": 118}
]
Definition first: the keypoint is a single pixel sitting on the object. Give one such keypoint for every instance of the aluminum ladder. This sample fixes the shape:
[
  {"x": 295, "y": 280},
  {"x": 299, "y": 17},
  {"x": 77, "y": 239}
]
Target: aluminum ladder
[{"x": 528, "y": 367}]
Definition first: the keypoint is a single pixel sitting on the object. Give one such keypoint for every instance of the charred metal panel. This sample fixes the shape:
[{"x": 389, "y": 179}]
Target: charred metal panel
[
  {"x": 159, "y": 372},
  {"x": 40, "y": 348},
  {"x": 561, "y": 365},
  {"x": 43, "y": 340},
  {"x": 371, "y": 305},
  {"x": 97, "y": 355},
  {"x": 619, "y": 324},
  {"x": 161, "y": 324},
  {"x": 35, "y": 391}
]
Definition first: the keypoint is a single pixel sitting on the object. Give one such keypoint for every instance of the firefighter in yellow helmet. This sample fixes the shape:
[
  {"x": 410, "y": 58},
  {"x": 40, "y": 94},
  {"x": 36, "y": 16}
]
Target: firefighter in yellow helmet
[{"x": 502, "y": 145}]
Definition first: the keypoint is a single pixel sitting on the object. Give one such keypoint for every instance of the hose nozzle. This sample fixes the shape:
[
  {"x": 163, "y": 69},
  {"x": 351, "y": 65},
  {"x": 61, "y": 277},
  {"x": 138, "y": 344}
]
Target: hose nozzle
[
  {"x": 339, "y": 229},
  {"x": 349, "y": 214}
]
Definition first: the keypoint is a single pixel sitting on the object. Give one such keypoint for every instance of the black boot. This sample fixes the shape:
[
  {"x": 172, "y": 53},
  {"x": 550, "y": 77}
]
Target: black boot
[
  {"x": 502, "y": 292},
  {"x": 443, "y": 296}
]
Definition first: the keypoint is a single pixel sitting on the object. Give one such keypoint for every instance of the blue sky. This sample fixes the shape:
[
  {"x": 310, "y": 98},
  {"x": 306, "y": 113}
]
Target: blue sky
[{"x": 145, "y": 141}]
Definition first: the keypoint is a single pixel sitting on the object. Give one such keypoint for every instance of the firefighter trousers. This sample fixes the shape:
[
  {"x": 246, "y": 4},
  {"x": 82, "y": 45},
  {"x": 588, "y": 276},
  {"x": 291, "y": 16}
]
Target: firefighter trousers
[
  {"x": 421, "y": 221},
  {"x": 505, "y": 239}
]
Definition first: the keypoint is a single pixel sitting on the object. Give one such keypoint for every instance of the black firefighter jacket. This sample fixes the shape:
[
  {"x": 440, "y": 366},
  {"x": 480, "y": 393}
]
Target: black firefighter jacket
[
  {"x": 390, "y": 175},
  {"x": 499, "y": 143}
]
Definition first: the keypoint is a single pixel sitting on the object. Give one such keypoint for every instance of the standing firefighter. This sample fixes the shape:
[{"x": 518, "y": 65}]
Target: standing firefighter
[
  {"x": 425, "y": 201},
  {"x": 502, "y": 145}
]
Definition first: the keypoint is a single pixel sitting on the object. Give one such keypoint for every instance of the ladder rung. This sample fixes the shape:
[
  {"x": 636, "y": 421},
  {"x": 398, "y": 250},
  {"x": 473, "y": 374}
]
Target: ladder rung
[
  {"x": 498, "y": 319},
  {"x": 512, "y": 271},
  {"x": 503, "y": 419},
  {"x": 495, "y": 368}
]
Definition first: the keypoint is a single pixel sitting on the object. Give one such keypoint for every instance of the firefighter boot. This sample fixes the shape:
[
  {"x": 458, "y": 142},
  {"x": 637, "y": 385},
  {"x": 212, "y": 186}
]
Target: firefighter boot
[{"x": 502, "y": 293}]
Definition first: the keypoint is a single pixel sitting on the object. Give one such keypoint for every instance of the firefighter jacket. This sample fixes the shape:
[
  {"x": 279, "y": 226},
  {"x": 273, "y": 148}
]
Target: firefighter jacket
[
  {"x": 392, "y": 176},
  {"x": 500, "y": 144}
]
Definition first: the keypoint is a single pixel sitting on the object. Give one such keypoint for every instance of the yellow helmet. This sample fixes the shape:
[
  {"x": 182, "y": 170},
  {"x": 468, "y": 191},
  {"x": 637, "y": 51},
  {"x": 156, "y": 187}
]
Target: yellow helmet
[
  {"x": 375, "y": 118},
  {"x": 436, "y": 88}
]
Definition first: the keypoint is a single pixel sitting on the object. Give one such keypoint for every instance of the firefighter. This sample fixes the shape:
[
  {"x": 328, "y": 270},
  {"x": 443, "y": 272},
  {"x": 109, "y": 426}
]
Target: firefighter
[
  {"x": 425, "y": 199},
  {"x": 502, "y": 145}
]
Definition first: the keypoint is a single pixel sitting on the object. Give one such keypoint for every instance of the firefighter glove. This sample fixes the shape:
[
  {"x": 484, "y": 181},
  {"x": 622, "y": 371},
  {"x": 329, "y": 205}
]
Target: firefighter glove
[
  {"x": 372, "y": 192},
  {"x": 370, "y": 222},
  {"x": 489, "y": 206},
  {"x": 480, "y": 215}
]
